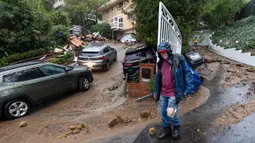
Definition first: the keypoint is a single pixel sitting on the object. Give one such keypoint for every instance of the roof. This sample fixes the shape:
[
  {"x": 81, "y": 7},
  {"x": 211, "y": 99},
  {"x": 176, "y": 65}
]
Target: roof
[
  {"x": 109, "y": 4},
  {"x": 94, "y": 48},
  {"x": 15, "y": 66}
]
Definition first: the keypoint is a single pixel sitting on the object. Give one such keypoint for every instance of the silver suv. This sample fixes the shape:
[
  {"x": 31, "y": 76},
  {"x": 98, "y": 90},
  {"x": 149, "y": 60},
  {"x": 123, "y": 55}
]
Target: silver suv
[
  {"x": 98, "y": 57},
  {"x": 27, "y": 84}
]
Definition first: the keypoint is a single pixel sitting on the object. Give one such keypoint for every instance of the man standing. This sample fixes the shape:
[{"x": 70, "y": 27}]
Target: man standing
[{"x": 173, "y": 80}]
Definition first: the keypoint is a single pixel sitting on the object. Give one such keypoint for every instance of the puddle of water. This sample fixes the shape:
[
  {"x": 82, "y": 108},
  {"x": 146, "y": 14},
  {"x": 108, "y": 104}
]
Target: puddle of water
[{"x": 241, "y": 132}]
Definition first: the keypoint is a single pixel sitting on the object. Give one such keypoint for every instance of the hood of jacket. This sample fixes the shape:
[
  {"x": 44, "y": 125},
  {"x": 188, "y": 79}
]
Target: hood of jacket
[{"x": 167, "y": 47}]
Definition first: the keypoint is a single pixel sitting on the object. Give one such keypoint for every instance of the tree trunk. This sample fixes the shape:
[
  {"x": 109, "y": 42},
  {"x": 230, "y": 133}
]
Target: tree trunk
[{"x": 96, "y": 16}]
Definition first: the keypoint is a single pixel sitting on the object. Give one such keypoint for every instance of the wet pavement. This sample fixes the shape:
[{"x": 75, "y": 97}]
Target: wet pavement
[{"x": 199, "y": 124}]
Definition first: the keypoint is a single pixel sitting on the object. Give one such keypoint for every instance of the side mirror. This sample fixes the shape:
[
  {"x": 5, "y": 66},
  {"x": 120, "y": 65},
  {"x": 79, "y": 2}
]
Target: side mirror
[{"x": 68, "y": 69}]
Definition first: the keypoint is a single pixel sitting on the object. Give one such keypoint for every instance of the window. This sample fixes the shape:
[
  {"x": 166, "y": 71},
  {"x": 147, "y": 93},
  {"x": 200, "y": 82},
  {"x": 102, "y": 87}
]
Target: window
[
  {"x": 106, "y": 50},
  {"x": 121, "y": 4},
  {"x": 7, "y": 78},
  {"x": 110, "y": 48},
  {"x": 89, "y": 53},
  {"x": 49, "y": 70},
  {"x": 134, "y": 56},
  {"x": 137, "y": 55},
  {"x": 120, "y": 19},
  {"x": 25, "y": 75}
]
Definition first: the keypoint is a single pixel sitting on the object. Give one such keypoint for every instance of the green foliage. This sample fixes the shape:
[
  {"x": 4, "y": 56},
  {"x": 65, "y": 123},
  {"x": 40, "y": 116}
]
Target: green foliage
[
  {"x": 104, "y": 29},
  {"x": 60, "y": 18},
  {"x": 241, "y": 31},
  {"x": 62, "y": 60},
  {"x": 248, "y": 10},
  {"x": 41, "y": 18},
  {"x": 16, "y": 25},
  {"x": 223, "y": 12},
  {"x": 80, "y": 9},
  {"x": 186, "y": 14},
  {"x": 151, "y": 84},
  {"x": 198, "y": 36},
  {"x": 21, "y": 56},
  {"x": 251, "y": 8},
  {"x": 54, "y": 34},
  {"x": 25, "y": 24},
  {"x": 48, "y": 5}
]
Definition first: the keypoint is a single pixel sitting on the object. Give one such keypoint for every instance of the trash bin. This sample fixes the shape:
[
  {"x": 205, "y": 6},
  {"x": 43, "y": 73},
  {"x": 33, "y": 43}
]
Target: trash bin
[{"x": 194, "y": 59}]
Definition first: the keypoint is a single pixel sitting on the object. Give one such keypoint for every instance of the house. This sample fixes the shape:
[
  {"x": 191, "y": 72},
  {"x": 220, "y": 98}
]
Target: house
[{"x": 113, "y": 13}]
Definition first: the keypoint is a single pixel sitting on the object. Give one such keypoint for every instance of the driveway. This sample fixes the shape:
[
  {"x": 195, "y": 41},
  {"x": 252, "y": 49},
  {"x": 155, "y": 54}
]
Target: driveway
[{"x": 228, "y": 114}]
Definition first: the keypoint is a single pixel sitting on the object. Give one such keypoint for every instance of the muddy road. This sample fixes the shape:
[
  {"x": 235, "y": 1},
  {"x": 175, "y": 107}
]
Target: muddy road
[
  {"x": 83, "y": 116},
  {"x": 70, "y": 108}
]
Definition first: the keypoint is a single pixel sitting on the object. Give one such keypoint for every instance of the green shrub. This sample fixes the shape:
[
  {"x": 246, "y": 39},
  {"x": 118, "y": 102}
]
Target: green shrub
[
  {"x": 151, "y": 84},
  {"x": 104, "y": 29},
  {"x": 63, "y": 59},
  {"x": 60, "y": 18},
  {"x": 54, "y": 34},
  {"x": 241, "y": 31},
  {"x": 21, "y": 56},
  {"x": 223, "y": 12}
]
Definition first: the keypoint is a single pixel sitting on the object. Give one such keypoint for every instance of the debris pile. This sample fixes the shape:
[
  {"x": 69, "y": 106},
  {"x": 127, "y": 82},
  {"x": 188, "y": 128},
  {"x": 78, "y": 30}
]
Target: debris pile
[
  {"x": 152, "y": 131},
  {"x": 145, "y": 116},
  {"x": 117, "y": 84},
  {"x": 235, "y": 113},
  {"x": 252, "y": 70},
  {"x": 73, "y": 129},
  {"x": 209, "y": 59},
  {"x": 115, "y": 121},
  {"x": 22, "y": 124}
]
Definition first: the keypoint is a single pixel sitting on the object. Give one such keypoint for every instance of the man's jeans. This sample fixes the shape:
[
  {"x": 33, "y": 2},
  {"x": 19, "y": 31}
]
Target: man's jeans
[{"x": 168, "y": 102}]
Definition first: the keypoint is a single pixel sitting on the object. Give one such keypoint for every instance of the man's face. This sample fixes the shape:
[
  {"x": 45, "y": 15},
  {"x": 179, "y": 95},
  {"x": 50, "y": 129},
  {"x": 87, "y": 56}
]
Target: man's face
[{"x": 164, "y": 55}]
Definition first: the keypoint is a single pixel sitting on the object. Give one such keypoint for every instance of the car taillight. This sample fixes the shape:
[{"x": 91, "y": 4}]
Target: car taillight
[
  {"x": 124, "y": 59},
  {"x": 128, "y": 65},
  {"x": 101, "y": 58}
]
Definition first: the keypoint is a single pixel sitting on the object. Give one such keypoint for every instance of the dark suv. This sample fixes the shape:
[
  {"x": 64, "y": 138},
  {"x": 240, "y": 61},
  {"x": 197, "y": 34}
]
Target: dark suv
[
  {"x": 132, "y": 59},
  {"x": 24, "y": 85}
]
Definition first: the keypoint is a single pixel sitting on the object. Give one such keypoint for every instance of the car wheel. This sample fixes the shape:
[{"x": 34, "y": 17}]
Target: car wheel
[
  {"x": 107, "y": 66},
  {"x": 115, "y": 59},
  {"x": 16, "y": 109},
  {"x": 84, "y": 84}
]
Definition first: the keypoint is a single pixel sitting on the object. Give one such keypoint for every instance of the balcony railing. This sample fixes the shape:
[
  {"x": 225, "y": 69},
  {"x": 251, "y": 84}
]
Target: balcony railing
[{"x": 116, "y": 23}]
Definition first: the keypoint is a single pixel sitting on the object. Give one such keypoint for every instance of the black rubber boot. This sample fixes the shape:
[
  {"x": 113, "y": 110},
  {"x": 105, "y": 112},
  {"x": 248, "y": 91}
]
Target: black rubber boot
[
  {"x": 176, "y": 133},
  {"x": 167, "y": 132}
]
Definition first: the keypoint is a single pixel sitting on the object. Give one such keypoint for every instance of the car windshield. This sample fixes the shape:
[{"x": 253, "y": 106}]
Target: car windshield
[{"x": 135, "y": 56}]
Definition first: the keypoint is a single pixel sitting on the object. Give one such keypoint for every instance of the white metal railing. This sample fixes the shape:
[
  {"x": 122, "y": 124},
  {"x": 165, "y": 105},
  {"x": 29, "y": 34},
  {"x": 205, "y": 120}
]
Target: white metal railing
[{"x": 168, "y": 30}]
